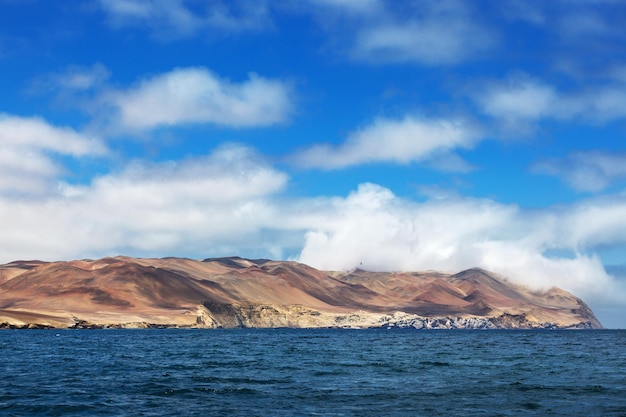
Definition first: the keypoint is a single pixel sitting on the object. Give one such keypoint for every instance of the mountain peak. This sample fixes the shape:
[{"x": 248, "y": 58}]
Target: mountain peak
[{"x": 234, "y": 291}]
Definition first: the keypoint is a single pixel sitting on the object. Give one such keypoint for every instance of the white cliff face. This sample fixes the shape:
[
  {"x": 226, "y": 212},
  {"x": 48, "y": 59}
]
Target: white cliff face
[{"x": 298, "y": 317}]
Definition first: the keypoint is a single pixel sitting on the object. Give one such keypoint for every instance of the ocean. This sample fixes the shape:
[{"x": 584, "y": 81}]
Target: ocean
[{"x": 321, "y": 372}]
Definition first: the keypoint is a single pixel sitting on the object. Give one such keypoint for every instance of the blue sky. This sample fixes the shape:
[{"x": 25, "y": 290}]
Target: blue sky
[{"x": 391, "y": 135}]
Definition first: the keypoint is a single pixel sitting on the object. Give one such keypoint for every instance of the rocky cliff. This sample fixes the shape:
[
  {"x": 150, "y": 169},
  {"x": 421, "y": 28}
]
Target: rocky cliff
[{"x": 235, "y": 292}]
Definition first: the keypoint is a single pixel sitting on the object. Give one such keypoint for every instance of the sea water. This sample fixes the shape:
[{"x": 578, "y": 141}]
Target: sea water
[{"x": 288, "y": 372}]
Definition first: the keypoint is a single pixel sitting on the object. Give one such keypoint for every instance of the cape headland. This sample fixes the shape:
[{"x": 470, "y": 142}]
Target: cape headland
[{"x": 233, "y": 292}]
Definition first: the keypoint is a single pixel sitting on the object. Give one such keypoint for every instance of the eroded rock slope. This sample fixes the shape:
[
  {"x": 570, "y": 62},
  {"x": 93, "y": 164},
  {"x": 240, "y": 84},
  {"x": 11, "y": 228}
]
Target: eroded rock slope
[{"x": 236, "y": 292}]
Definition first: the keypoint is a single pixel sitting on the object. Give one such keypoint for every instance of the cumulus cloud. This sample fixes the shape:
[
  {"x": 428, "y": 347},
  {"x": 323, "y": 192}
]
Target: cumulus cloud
[
  {"x": 446, "y": 32},
  {"x": 29, "y": 149},
  {"x": 586, "y": 170},
  {"x": 34, "y": 132},
  {"x": 181, "y": 18},
  {"x": 520, "y": 100},
  {"x": 434, "y": 40},
  {"x": 397, "y": 141},
  {"x": 441, "y": 33},
  {"x": 593, "y": 223},
  {"x": 196, "y": 95},
  {"x": 373, "y": 229},
  {"x": 212, "y": 204}
]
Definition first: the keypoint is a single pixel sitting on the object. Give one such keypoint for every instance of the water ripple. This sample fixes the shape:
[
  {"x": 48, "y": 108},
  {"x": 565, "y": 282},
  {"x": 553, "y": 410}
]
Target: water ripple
[{"x": 312, "y": 372}]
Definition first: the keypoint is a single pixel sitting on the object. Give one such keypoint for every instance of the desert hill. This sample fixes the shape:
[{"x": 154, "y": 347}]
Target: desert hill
[{"x": 237, "y": 292}]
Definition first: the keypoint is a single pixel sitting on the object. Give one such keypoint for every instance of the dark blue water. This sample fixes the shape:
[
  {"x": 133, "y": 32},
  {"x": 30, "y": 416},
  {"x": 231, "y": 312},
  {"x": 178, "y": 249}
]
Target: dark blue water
[{"x": 312, "y": 372}]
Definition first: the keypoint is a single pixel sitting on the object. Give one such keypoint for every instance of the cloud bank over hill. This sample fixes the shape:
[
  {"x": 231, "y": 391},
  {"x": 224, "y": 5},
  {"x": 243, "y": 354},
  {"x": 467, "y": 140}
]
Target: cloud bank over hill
[
  {"x": 230, "y": 202},
  {"x": 373, "y": 229}
]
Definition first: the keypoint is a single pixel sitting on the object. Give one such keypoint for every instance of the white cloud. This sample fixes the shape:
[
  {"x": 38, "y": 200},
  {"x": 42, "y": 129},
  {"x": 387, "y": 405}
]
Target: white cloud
[
  {"x": 596, "y": 222},
  {"x": 603, "y": 105},
  {"x": 350, "y": 6},
  {"x": 83, "y": 78},
  {"x": 195, "y": 95},
  {"x": 450, "y": 162},
  {"x": 396, "y": 141},
  {"x": 432, "y": 41},
  {"x": 74, "y": 79},
  {"x": 446, "y": 32},
  {"x": 586, "y": 170},
  {"x": 521, "y": 100},
  {"x": 34, "y": 132},
  {"x": 29, "y": 148},
  {"x": 430, "y": 33},
  {"x": 198, "y": 206},
  {"x": 26, "y": 171},
  {"x": 181, "y": 18},
  {"x": 373, "y": 229}
]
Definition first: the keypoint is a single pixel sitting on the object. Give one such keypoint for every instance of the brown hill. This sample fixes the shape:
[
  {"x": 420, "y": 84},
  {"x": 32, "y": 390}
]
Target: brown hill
[{"x": 236, "y": 292}]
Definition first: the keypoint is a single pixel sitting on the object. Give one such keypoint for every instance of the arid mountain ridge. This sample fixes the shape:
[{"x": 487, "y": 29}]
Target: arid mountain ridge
[{"x": 235, "y": 292}]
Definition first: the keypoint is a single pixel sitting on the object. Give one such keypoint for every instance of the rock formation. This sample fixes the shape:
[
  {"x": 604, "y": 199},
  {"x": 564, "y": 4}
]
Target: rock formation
[{"x": 235, "y": 292}]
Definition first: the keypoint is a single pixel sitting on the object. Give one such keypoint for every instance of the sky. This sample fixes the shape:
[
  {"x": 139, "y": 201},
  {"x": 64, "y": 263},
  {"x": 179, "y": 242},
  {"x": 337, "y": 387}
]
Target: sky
[{"x": 384, "y": 135}]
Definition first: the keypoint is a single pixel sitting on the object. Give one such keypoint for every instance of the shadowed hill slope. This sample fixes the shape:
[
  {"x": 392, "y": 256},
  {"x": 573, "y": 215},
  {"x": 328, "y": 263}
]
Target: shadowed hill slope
[{"x": 237, "y": 292}]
